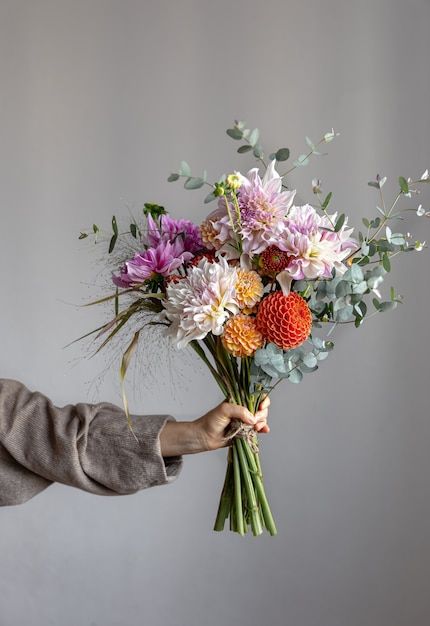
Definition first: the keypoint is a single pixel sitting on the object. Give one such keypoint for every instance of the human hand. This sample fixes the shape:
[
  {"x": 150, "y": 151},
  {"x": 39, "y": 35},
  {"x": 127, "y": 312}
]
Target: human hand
[{"x": 209, "y": 431}]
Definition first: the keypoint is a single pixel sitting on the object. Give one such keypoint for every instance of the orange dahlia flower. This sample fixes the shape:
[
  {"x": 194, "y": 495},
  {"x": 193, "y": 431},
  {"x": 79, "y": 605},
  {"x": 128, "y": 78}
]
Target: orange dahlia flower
[
  {"x": 249, "y": 290},
  {"x": 241, "y": 337},
  {"x": 209, "y": 234},
  {"x": 284, "y": 320}
]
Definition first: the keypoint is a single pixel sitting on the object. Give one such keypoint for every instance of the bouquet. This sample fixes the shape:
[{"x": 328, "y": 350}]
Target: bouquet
[{"x": 253, "y": 289}]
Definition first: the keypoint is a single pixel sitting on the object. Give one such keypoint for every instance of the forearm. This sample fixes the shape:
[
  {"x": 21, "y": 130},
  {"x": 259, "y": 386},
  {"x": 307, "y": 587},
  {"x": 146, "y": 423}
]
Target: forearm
[{"x": 83, "y": 445}]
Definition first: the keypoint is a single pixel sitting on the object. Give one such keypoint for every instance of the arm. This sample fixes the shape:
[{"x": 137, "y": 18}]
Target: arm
[{"x": 90, "y": 446}]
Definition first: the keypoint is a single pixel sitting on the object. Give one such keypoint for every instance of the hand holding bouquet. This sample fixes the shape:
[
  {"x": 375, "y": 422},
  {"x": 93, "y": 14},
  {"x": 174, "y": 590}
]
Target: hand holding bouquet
[{"x": 251, "y": 289}]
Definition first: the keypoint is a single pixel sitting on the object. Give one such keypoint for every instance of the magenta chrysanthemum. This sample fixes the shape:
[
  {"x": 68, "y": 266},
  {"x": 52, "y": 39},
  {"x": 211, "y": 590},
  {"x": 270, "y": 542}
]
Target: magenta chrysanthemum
[{"x": 162, "y": 260}]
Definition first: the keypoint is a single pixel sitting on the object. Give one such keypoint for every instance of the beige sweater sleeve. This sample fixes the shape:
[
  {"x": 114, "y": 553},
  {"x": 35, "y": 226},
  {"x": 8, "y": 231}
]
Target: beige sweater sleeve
[{"x": 88, "y": 446}]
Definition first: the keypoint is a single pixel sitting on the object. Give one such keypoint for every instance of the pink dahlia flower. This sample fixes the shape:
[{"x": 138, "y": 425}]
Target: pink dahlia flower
[
  {"x": 163, "y": 259},
  {"x": 313, "y": 247},
  {"x": 263, "y": 208},
  {"x": 182, "y": 232}
]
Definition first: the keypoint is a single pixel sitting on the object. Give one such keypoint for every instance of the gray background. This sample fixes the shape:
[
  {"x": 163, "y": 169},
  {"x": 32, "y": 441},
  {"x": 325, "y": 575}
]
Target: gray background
[{"x": 99, "y": 100}]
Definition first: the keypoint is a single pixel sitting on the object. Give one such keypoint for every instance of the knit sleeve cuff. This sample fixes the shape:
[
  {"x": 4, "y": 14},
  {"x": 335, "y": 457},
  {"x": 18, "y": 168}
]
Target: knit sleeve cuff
[{"x": 126, "y": 461}]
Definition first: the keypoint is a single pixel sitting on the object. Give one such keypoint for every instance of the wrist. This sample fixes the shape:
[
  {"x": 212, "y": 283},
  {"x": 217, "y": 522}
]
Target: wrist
[{"x": 178, "y": 438}]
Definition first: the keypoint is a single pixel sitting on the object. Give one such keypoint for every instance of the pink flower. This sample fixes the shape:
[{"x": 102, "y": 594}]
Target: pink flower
[
  {"x": 182, "y": 232},
  {"x": 314, "y": 248},
  {"x": 163, "y": 259},
  {"x": 263, "y": 207}
]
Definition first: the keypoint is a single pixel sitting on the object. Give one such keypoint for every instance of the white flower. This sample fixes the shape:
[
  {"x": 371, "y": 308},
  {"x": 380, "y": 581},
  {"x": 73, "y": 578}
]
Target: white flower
[
  {"x": 420, "y": 211},
  {"x": 201, "y": 302}
]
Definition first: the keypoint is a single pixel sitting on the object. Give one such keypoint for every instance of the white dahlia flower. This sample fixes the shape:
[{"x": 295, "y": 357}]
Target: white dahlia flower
[{"x": 201, "y": 302}]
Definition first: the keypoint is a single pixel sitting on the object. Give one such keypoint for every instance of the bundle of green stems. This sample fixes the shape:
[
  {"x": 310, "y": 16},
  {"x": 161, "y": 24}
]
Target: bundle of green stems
[{"x": 243, "y": 498}]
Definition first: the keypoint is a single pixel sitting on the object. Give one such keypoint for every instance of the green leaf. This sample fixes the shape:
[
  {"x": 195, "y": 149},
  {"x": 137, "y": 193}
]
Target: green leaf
[
  {"x": 376, "y": 304},
  {"x": 184, "y": 169},
  {"x": 112, "y": 243},
  {"x": 387, "y": 306},
  {"x": 404, "y": 187},
  {"x": 366, "y": 222},
  {"x": 310, "y": 359},
  {"x": 133, "y": 230},
  {"x": 342, "y": 289},
  {"x": 116, "y": 302},
  {"x": 173, "y": 176},
  {"x": 356, "y": 273},
  {"x": 95, "y": 229},
  {"x": 114, "y": 226},
  {"x": 83, "y": 235},
  {"x": 392, "y": 294},
  {"x": 210, "y": 197},
  {"x": 194, "y": 183},
  {"x": 253, "y": 137},
  {"x": 245, "y": 148},
  {"x": 234, "y": 133},
  {"x": 155, "y": 210},
  {"x": 326, "y": 201},
  {"x": 340, "y": 222},
  {"x": 386, "y": 262},
  {"x": 398, "y": 239},
  {"x": 374, "y": 184},
  {"x": 295, "y": 376},
  {"x": 258, "y": 153},
  {"x": 282, "y": 154}
]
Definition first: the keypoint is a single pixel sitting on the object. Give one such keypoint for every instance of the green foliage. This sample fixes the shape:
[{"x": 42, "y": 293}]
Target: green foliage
[
  {"x": 292, "y": 364},
  {"x": 154, "y": 210}
]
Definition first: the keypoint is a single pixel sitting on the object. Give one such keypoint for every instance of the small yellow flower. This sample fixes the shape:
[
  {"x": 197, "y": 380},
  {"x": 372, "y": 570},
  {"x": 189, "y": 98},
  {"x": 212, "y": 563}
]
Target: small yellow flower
[
  {"x": 233, "y": 182},
  {"x": 249, "y": 290}
]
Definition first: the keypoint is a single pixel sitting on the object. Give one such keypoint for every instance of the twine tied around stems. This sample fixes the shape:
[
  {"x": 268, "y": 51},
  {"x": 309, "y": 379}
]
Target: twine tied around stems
[{"x": 236, "y": 428}]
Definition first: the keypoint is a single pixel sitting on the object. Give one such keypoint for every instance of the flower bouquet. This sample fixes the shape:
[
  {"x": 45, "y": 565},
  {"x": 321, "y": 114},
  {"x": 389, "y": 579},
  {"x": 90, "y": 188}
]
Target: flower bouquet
[{"x": 252, "y": 288}]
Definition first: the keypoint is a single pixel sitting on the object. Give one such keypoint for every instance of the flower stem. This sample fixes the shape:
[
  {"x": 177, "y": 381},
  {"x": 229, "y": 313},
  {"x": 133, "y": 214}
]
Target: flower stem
[
  {"x": 226, "y": 497},
  {"x": 237, "y": 494},
  {"x": 256, "y": 524},
  {"x": 257, "y": 477}
]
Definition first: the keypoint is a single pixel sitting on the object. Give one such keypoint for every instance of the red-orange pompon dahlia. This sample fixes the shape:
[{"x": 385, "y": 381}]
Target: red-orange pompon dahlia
[
  {"x": 241, "y": 337},
  {"x": 284, "y": 320}
]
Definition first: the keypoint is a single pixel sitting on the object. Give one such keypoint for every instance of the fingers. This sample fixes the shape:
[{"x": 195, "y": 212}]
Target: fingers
[
  {"x": 265, "y": 403},
  {"x": 235, "y": 411},
  {"x": 261, "y": 425}
]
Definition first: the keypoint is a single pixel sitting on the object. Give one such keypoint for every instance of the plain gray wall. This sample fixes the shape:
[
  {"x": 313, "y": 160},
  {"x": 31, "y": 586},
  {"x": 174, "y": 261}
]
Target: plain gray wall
[{"x": 99, "y": 100}]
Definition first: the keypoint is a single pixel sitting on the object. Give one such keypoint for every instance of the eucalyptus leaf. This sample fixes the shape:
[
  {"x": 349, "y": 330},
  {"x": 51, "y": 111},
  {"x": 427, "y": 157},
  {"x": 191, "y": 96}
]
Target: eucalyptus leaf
[
  {"x": 194, "y": 183},
  {"x": 234, "y": 133},
  {"x": 283, "y": 154},
  {"x": 184, "y": 169}
]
